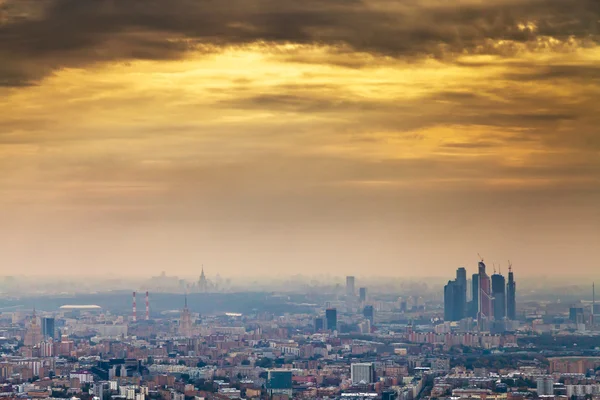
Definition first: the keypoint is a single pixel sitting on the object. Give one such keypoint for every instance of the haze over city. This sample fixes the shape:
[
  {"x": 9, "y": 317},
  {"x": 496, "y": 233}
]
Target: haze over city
[{"x": 299, "y": 199}]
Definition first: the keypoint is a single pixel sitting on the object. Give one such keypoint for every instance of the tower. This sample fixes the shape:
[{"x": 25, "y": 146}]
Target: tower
[
  {"x": 185, "y": 320},
  {"x": 461, "y": 282},
  {"x": 499, "y": 293},
  {"x": 350, "y": 286},
  {"x": 202, "y": 283},
  {"x": 485, "y": 293},
  {"x": 511, "y": 294},
  {"x": 331, "y": 319},
  {"x": 362, "y": 293},
  {"x": 475, "y": 296},
  {"x": 33, "y": 335},
  {"x": 449, "y": 291}
]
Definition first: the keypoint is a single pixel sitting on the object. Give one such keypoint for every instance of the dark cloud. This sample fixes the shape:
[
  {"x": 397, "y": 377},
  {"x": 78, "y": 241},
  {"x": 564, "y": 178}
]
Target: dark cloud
[{"x": 57, "y": 33}]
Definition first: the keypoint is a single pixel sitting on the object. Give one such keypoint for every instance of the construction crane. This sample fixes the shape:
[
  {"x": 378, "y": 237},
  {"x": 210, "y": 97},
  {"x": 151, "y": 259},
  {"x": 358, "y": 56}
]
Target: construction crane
[
  {"x": 481, "y": 258},
  {"x": 509, "y": 266}
]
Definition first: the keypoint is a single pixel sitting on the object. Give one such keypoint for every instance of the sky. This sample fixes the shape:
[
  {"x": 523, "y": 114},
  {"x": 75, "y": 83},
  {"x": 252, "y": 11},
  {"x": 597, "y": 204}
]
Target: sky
[{"x": 254, "y": 137}]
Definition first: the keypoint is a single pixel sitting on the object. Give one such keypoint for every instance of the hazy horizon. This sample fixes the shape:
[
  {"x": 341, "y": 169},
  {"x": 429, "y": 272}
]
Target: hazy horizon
[{"x": 353, "y": 137}]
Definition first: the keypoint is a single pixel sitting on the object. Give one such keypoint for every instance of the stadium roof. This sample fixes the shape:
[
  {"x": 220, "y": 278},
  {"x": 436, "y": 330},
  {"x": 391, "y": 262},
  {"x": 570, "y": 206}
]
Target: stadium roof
[{"x": 80, "y": 307}]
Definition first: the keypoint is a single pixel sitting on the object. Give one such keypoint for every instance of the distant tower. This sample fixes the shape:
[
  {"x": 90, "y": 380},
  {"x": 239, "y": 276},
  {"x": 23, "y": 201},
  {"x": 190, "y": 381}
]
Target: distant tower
[
  {"x": 331, "y": 319},
  {"x": 475, "y": 295},
  {"x": 461, "y": 296},
  {"x": 349, "y": 286},
  {"x": 499, "y": 293},
  {"x": 485, "y": 294},
  {"x": 362, "y": 293},
  {"x": 185, "y": 321},
  {"x": 33, "y": 335},
  {"x": 511, "y": 294},
  {"x": 134, "y": 309},
  {"x": 202, "y": 283},
  {"x": 593, "y": 319}
]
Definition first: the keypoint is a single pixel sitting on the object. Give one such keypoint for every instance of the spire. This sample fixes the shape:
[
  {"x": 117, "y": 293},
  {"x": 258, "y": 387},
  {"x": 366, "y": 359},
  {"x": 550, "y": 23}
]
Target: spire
[{"x": 185, "y": 300}]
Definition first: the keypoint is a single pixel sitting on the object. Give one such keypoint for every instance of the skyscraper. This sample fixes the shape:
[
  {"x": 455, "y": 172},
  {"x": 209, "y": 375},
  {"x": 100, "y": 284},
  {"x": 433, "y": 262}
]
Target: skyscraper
[
  {"x": 33, "y": 335},
  {"x": 331, "y": 319},
  {"x": 362, "y": 293},
  {"x": 499, "y": 293},
  {"x": 48, "y": 327},
  {"x": 461, "y": 281},
  {"x": 185, "y": 321},
  {"x": 349, "y": 286},
  {"x": 369, "y": 313},
  {"x": 486, "y": 310},
  {"x": 475, "y": 296},
  {"x": 511, "y": 293},
  {"x": 455, "y": 297},
  {"x": 449, "y": 295}
]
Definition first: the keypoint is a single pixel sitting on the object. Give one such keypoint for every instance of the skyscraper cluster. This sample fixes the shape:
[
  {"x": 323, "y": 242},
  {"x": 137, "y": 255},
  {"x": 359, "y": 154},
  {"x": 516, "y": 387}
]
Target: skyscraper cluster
[{"x": 492, "y": 298}]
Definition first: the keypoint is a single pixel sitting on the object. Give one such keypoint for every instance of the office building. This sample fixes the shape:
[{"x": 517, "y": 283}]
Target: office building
[
  {"x": 362, "y": 373},
  {"x": 450, "y": 291},
  {"x": 319, "y": 324},
  {"x": 475, "y": 296},
  {"x": 486, "y": 310},
  {"x": 545, "y": 386},
  {"x": 279, "y": 381},
  {"x": 331, "y": 319},
  {"x": 362, "y": 292},
  {"x": 511, "y": 288},
  {"x": 349, "y": 286},
  {"x": 455, "y": 297},
  {"x": 461, "y": 281},
  {"x": 369, "y": 313},
  {"x": 48, "y": 327},
  {"x": 576, "y": 315},
  {"x": 499, "y": 295}
]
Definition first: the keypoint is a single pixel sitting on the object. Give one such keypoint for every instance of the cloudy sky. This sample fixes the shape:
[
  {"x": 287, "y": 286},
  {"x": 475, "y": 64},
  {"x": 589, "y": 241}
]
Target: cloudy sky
[{"x": 391, "y": 137}]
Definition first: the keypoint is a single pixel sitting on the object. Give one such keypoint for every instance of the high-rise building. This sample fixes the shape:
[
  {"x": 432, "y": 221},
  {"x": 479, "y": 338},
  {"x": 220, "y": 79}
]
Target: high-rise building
[
  {"x": 475, "y": 296},
  {"x": 33, "y": 335},
  {"x": 486, "y": 310},
  {"x": 369, "y": 313},
  {"x": 349, "y": 286},
  {"x": 461, "y": 281},
  {"x": 202, "y": 282},
  {"x": 361, "y": 373},
  {"x": 576, "y": 315},
  {"x": 455, "y": 297},
  {"x": 48, "y": 327},
  {"x": 545, "y": 386},
  {"x": 449, "y": 296},
  {"x": 185, "y": 321},
  {"x": 362, "y": 293},
  {"x": 331, "y": 319},
  {"x": 499, "y": 294},
  {"x": 319, "y": 324},
  {"x": 511, "y": 292}
]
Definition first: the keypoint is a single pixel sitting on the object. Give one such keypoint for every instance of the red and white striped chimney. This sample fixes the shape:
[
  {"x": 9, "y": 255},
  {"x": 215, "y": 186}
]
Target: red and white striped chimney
[{"x": 147, "y": 307}]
